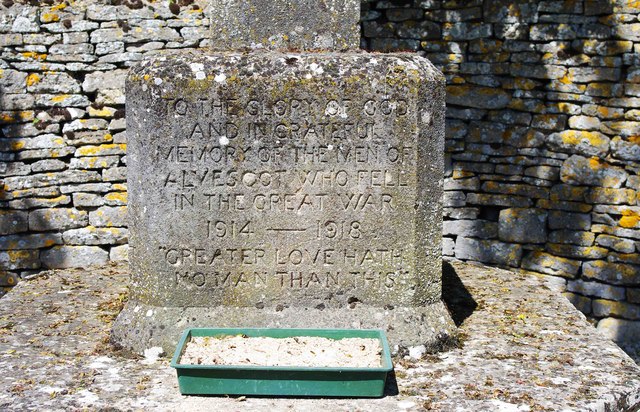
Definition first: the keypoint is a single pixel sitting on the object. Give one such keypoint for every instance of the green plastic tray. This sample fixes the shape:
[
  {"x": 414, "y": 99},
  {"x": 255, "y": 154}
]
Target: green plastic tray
[{"x": 282, "y": 380}]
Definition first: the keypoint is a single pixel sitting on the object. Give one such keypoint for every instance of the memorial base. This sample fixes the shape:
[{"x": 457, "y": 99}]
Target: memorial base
[{"x": 140, "y": 326}]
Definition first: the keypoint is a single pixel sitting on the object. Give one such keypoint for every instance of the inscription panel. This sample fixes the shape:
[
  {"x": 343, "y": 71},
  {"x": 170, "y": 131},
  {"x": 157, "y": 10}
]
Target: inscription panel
[{"x": 294, "y": 190}]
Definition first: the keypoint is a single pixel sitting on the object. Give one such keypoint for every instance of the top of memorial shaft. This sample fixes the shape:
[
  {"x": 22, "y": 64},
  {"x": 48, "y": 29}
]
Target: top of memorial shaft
[{"x": 285, "y": 24}]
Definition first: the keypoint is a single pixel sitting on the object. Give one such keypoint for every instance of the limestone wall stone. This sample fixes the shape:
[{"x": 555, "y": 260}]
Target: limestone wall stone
[{"x": 543, "y": 130}]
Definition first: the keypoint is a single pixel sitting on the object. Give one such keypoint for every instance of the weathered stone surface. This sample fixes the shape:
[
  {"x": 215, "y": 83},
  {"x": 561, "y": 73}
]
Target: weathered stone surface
[
  {"x": 629, "y": 31},
  {"x": 462, "y": 184},
  {"x": 582, "y": 303},
  {"x": 543, "y": 172},
  {"x": 11, "y": 39},
  {"x": 304, "y": 25},
  {"x": 604, "y": 195},
  {"x": 108, "y": 35},
  {"x": 563, "y": 192},
  {"x": 593, "y": 74},
  {"x": 116, "y": 199},
  {"x": 87, "y": 200},
  {"x": 37, "y": 192},
  {"x": 488, "y": 251},
  {"x": 89, "y": 137},
  {"x": 48, "y": 165},
  {"x": 13, "y": 221},
  {"x": 579, "y": 142},
  {"x": 448, "y": 246},
  {"x": 596, "y": 289},
  {"x": 100, "y": 80},
  {"x": 478, "y": 97},
  {"x": 453, "y": 199},
  {"x": 119, "y": 253},
  {"x": 625, "y": 149},
  {"x": 16, "y": 101},
  {"x": 576, "y": 252},
  {"x": 614, "y": 273},
  {"x": 550, "y": 264},
  {"x": 44, "y": 141},
  {"x": 96, "y": 236},
  {"x": 538, "y": 71},
  {"x": 612, "y": 379},
  {"x": 616, "y": 231},
  {"x": 32, "y": 203},
  {"x": 466, "y": 31},
  {"x": 523, "y": 225},
  {"x": 61, "y": 100},
  {"x": 506, "y": 60},
  {"x": 109, "y": 217},
  {"x": 580, "y": 170},
  {"x": 84, "y": 124},
  {"x": 516, "y": 189},
  {"x": 19, "y": 259},
  {"x": 563, "y": 205},
  {"x": 13, "y": 81},
  {"x": 620, "y": 330},
  {"x": 74, "y": 256},
  {"x": 87, "y": 187},
  {"x": 497, "y": 200},
  {"x": 110, "y": 97},
  {"x": 26, "y": 21},
  {"x": 311, "y": 189},
  {"x": 52, "y": 83},
  {"x": 114, "y": 174},
  {"x": 605, "y": 308},
  {"x": 101, "y": 150},
  {"x": 29, "y": 241},
  {"x": 616, "y": 243},
  {"x": 572, "y": 237},
  {"x": 622, "y": 128},
  {"x": 94, "y": 162},
  {"x": 57, "y": 219},
  {"x": 470, "y": 228}
]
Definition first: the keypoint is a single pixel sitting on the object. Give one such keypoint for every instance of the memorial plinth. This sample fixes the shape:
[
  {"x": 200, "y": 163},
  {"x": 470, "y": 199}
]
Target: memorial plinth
[{"x": 282, "y": 189}]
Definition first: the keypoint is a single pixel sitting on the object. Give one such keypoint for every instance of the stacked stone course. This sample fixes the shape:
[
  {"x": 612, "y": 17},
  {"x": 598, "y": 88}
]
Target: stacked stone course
[
  {"x": 63, "y": 152},
  {"x": 543, "y": 132},
  {"x": 543, "y": 135}
]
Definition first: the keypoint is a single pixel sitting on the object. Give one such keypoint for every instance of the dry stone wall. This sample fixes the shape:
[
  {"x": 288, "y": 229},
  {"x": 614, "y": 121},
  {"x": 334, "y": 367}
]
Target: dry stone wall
[{"x": 543, "y": 132}]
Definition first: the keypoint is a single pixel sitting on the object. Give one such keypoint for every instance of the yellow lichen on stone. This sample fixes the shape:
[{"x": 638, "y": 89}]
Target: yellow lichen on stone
[
  {"x": 634, "y": 139},
  {"x": 17, "y": 144},
  {"x": 7, "y": 118},
  {"x": 34, "y": 55},
  {"x": 99, "y": 150},
  {"x": 32, "y": 79},
  {"x": 629, "y": 219},
  {"x": 575, "y": 137},
  {"x": 120, "y": 186},
  {"x": 59, "y": 98},
  {"x": 565, "y": 79},
  {"x": 595, "y": 163},
  {"x": 49, "y": 17},
  {"x": 16, "y": 255},
  {"x": 461, "y": 174},
  {"x": 117, "y": 196},
  {"x": 524, "y": 84}
]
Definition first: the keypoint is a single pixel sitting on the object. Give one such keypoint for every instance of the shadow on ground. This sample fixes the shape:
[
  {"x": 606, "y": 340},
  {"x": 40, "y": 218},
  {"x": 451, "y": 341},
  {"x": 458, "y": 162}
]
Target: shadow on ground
[{"x": 455, "y": 295}]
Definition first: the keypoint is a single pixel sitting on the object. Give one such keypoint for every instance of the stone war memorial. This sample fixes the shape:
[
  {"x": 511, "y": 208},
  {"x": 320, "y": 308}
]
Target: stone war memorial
[
  {"x": 291, "y": 163},
  {"x": 285, "y": 179}
]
